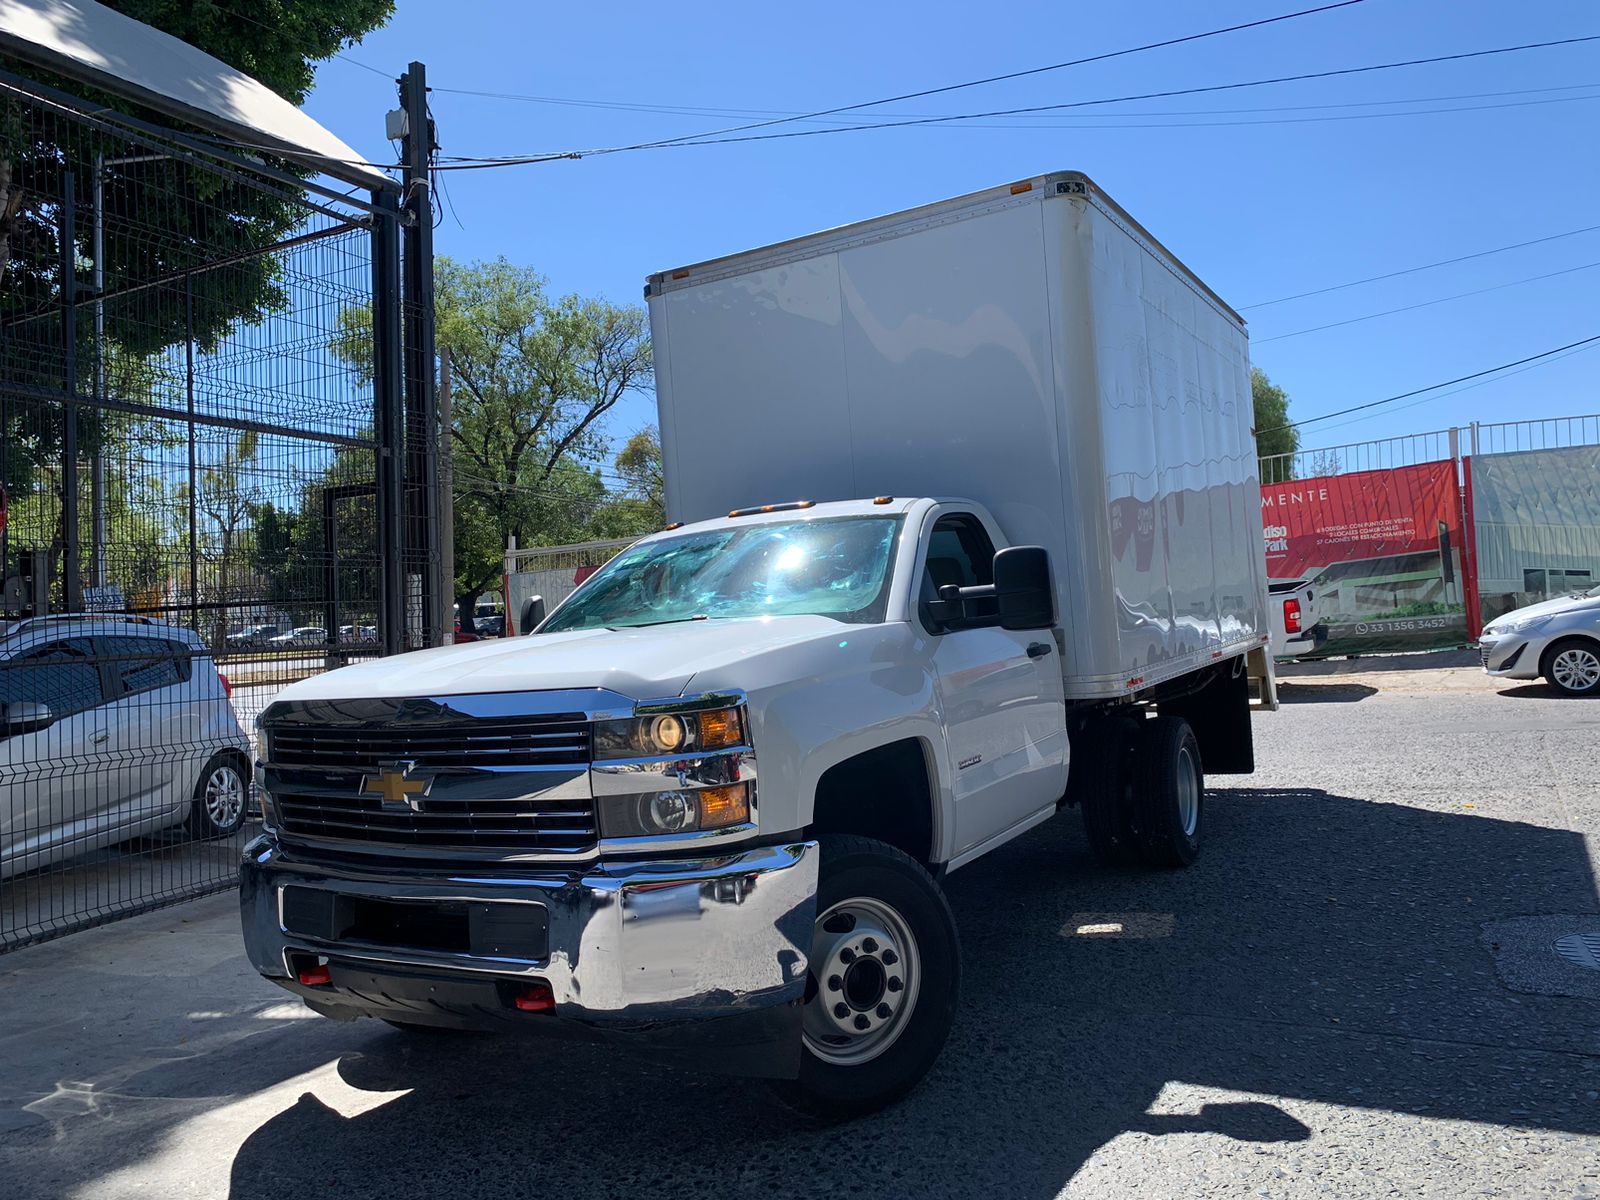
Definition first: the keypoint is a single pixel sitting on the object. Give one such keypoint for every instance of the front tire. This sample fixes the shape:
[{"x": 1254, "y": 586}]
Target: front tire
[
  {"x": 884, "y": 975},
  {"x": 221, "y": 797},
  {"x": 1572, "y": 667}
]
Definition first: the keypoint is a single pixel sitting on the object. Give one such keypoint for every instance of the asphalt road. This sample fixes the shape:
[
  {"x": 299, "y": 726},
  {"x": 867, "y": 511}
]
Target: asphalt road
[{"x": 1344, "y": 997}]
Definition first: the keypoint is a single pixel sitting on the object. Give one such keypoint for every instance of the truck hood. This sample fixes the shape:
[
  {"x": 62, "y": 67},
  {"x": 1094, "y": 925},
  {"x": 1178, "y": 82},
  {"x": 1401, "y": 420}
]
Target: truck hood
[
  {"x": 647, "y": 663},
  {"x": 1546, "y": 608}
]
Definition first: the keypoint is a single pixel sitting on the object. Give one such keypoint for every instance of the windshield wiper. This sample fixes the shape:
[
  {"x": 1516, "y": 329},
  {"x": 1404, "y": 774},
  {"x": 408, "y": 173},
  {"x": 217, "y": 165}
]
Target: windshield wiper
[{"x": 668, "y": 621}]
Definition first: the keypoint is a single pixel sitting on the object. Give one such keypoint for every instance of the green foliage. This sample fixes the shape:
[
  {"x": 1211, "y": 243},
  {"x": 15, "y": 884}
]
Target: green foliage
[{"x": 1274, "y": 435}]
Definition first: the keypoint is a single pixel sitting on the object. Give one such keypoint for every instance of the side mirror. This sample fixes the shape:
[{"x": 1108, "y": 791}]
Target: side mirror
[
  {"x": 532, "y": 613},
  {"x": 24, "y": 716},
  {"x": 1023, "y": 589}
]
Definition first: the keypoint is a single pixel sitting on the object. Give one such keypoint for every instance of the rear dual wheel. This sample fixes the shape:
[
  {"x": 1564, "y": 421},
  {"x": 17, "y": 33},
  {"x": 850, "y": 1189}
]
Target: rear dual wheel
[{"x": 1142, "y": 791}]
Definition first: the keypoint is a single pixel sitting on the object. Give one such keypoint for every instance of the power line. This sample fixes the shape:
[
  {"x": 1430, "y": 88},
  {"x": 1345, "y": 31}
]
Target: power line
[
  {"x": 1010, "y": 75},
  {"x": 678, "y": 110},
  {"x": 1443, "y": 262},
  {"x": 1389, "y": 312},
  {"x": 713, "y": 140},
  {"x": 1432, "y": 387}
]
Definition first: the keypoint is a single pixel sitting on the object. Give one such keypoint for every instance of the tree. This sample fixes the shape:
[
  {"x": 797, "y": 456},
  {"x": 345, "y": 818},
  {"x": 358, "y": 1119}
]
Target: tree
[
  {"x": 639, "y": 465},
  {"x": 1274, "y": 435},
  {"x": 227, "y": 500}
]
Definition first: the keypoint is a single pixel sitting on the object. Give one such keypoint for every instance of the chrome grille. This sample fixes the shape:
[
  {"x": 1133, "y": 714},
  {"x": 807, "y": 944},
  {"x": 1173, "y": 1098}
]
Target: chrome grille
[{"x": 498, "y": 784}]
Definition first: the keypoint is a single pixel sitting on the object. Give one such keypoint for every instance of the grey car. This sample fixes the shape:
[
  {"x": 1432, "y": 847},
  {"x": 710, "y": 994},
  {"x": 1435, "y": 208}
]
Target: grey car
[
  {"x": 112, "y": 728},
  {"x": 1558, "y": 640}
]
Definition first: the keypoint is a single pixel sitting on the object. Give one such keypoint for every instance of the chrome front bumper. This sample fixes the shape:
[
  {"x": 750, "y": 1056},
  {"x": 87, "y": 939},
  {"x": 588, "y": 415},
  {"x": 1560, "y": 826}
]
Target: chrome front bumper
[{"x": 625, "y": 948}]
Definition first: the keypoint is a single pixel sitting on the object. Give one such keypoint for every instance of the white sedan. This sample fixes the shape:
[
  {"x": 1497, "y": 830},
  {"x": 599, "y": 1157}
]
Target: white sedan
[{"x": 1558, "y": 640}]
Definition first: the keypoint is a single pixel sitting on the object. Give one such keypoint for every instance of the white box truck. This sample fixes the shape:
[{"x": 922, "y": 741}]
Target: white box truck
[{"x": 965, "y": 530}]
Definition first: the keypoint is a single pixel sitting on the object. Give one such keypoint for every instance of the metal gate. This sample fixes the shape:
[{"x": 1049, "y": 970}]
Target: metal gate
[{"x": 214, "y": 439}]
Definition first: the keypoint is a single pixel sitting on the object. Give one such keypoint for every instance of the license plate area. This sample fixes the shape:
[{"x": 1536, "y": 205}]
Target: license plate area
[{"x": 481, "y": 929}]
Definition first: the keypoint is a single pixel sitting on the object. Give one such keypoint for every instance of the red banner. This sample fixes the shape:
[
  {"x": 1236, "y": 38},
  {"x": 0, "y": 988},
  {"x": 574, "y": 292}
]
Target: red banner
[{"x": 1310, "y": 524}]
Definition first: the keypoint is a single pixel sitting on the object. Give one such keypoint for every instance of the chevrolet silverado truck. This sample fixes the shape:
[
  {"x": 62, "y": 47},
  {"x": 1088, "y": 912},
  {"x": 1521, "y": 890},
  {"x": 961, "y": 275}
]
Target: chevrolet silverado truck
[{"x": 704, "y": 808}]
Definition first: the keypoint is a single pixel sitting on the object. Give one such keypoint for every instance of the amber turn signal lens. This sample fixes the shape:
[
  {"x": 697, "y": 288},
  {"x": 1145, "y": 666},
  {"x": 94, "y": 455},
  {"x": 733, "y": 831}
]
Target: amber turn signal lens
[
  {"x": 720, "y": 728},
  {"x": 723, "y": 806}
]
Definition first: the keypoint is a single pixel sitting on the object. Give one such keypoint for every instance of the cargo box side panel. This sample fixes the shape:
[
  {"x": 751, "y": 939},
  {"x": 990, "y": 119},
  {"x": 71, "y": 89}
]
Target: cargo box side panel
[
  {"x": 1167, "y": 363},
  {"x": 754, "y": 407},
  {"x": 948, "y": 354}
]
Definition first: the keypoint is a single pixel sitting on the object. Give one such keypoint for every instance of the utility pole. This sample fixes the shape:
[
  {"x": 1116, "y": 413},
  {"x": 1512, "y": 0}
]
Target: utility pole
[
  {"x": 422, "y": 416},
  {"x": 447, "y": 503}
]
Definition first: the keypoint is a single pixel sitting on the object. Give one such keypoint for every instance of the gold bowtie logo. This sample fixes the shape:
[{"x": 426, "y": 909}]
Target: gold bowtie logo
[{"x": 396, "y": 790}]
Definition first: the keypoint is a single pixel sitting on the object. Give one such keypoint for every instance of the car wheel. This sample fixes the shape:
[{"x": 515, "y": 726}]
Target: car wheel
[
  {"x": 220, "y": 797},
  {"x": 881, "y": 991},
  {"x": 1572, "y": 667},
  {"x": 1169, "y": 790}
]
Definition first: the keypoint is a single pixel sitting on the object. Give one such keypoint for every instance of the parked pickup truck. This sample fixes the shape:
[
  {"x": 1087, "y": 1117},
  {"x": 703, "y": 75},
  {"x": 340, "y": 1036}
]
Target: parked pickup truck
[
  {"x": 965, "y": 529},
  {"x": 1292, "y": 613}
]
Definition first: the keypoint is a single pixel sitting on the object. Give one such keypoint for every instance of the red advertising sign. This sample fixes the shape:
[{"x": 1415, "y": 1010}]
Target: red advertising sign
[
  {"x": 1382, "y": 550},
  {"x": 1310, "y": 524}
]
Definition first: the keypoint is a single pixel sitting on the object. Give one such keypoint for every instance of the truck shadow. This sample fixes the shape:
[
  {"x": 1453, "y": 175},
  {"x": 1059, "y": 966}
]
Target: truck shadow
[
  {"x": 1325, "y": 951},
  {"x": 1324, "y": 693}
]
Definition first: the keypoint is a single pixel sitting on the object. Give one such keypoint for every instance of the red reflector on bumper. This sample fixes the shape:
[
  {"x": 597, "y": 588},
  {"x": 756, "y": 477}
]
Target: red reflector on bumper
[
  {"x": 316, "y": 976},
  {"x": 537, "y": 998}
]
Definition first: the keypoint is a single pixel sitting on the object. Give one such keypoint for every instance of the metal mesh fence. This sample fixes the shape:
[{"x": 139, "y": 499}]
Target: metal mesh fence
[
  {"x": 553, "y": 572},
  {"x": 190, "y": 458}
]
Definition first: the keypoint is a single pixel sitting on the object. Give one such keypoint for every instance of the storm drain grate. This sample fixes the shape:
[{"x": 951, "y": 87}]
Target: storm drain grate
[{"x": 1580, "y": 949}]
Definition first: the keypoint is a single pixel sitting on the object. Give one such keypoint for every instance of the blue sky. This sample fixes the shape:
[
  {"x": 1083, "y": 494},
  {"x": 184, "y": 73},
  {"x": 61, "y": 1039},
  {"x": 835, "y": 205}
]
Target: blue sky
[{"x": 1261, "y": 204}]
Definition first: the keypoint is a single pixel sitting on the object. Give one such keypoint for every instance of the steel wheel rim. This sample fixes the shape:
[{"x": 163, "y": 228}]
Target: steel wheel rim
[
  {"x": 224, "y": 797},
  {"x": 872, "y": 970},
  {"x": 1188, "y": 792},
  {"x": 1576, "y": 669}
]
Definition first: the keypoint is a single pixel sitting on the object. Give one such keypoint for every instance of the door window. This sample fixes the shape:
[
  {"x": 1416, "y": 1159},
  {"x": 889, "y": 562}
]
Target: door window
[
  {"x": 144, "y": 664},
  {"x": 959, "y": 552},
  {"x": 64, "y": 675}
]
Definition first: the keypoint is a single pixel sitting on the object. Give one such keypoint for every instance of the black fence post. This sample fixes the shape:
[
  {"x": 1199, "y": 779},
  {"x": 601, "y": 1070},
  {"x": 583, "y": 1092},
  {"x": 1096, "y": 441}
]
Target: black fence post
[
  {"x": 389, "y": 417},
  {"x": 71, "y": 578},
  {"x": 194, "y": 473},
  {"x": 422, "y": 412}
]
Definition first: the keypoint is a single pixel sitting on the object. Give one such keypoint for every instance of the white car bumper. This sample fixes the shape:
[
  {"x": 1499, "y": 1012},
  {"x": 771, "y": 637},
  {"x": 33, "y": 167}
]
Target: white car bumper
[{"x": 1512, "y": 655}]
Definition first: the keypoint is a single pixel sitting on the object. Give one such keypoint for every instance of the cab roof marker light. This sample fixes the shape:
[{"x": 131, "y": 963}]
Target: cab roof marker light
[
  {"x": 883, "y": 499},
  {"x": 772, "y": 508}
]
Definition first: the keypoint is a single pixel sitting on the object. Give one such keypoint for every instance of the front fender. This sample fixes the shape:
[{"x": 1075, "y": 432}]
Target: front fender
[{"x": 814, "y": 706}]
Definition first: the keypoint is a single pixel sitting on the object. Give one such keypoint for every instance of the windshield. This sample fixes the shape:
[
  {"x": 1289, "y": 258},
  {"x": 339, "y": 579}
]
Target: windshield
[{"x": 830, "y": 566}]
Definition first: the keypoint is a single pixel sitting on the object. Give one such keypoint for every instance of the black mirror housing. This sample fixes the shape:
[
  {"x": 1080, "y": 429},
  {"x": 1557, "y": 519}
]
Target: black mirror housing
[
  {"x": 1023, "y": 588},
  {"x": 533, "y": 613}
]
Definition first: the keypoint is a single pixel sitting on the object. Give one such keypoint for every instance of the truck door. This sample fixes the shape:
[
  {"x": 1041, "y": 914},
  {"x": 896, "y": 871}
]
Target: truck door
[{"x": 999, "y": 691}]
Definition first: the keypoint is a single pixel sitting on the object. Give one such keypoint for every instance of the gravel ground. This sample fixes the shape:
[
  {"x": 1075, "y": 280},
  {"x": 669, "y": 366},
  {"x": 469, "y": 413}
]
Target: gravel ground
[{"x": 1314, "y": 1009}]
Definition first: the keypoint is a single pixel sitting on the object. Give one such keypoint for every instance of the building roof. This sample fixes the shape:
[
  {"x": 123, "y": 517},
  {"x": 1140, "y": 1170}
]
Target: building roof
[{"x": 96, "y": 45}]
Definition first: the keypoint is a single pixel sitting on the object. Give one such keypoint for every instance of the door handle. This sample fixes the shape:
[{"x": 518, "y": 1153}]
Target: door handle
[
  {"x": 1038, "y": 649},
  {"x": 101, "y": 737}
]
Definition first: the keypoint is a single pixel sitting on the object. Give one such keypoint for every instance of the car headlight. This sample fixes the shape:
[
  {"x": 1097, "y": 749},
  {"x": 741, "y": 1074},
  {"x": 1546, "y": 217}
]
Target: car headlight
[
  {"x": 1525, "y": 624},
  {"x": 669, "y": 733},
  {"x": 653, "y": 814}
]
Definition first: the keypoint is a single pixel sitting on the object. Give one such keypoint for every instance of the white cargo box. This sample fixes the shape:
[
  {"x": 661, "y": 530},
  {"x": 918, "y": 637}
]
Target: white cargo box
[{"x": 1030, "y": 347}]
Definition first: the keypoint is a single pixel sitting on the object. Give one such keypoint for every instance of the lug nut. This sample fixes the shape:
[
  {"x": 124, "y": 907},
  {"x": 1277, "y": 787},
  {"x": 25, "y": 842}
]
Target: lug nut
[
  {"x": 890, "y": 958},
  {"x": 870, "y": 945},
  {"x": 894, "y": 983},
  {"x": 834, "y": 983},
  {"x": 841, "y": 1010},
  {"x": 862, "y": 1022},
  {"x": 847, "y": 955},
  {"x": 883, "y": 1012}
]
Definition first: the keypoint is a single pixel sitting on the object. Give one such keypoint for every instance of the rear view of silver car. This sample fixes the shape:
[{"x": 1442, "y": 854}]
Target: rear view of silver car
[
  {"x": 1557, "y": 640},
  {"x": 112, "y": 728}
]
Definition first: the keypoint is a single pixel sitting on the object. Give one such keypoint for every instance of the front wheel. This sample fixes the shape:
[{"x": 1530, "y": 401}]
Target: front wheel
[
  {"x": 881, "y": 991},
  {"x": 1572, "y": 667}
]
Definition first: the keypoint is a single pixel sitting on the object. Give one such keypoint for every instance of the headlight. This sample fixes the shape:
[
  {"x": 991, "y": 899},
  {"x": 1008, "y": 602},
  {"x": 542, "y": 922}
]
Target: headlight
[
  {"x": 653, "y": 814},
  {"x": 669, "y": 733},
  {"x": 1526, "y": 624}
]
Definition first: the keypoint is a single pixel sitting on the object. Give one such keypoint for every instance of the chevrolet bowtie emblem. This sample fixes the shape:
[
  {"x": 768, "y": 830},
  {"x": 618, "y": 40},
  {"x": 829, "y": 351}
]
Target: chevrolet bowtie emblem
[{"x": 398, "y": 792}]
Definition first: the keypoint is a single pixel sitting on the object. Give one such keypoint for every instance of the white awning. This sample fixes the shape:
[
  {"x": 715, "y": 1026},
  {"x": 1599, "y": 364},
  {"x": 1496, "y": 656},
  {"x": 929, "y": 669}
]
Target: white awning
[{"x": 97, "y": 45}]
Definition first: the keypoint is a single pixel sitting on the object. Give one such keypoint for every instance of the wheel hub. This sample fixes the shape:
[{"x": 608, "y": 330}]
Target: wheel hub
[
  {"x": 1576, "y": 669},
  {"x": 865, "y": 966}
]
